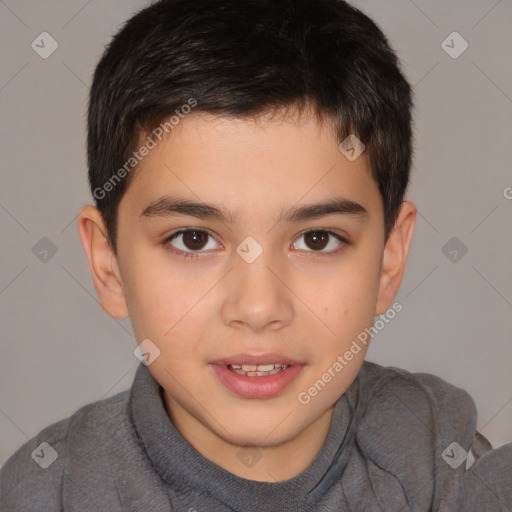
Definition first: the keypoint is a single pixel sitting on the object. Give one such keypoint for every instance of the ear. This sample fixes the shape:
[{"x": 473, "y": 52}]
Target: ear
[
  {"x": 102, "y": 262},
  {"x": 395, "y": 255}
]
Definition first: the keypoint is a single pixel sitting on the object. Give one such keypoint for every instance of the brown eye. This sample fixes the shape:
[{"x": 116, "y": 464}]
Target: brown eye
[
  {"x": 321, "y": 241},
  {"x": 195, "y": 240},
  {"x": 317, "y": 240},
  {"x": 188, "y": 241}
]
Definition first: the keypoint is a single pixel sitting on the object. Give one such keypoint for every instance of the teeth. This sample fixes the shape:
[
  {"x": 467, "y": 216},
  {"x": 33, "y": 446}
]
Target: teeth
[
  {"x": 256, "y": 367},
  {"x": 259, "y": 370},
  {"x": 265, "y": 367}
]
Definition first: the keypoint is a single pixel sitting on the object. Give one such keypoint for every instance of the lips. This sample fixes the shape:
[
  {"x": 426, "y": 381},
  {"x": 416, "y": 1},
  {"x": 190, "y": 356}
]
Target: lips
[{"x": 256, "y": 376}]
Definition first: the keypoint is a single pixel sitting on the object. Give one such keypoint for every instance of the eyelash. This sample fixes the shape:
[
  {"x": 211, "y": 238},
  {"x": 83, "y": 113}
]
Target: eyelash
[{"x": 197, "y": 254}]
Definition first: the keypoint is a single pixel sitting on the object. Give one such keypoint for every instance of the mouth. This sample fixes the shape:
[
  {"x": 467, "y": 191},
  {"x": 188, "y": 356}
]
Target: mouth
[
  {"x": 256, "y": 377},
  {"x": 260, "y": 370}
]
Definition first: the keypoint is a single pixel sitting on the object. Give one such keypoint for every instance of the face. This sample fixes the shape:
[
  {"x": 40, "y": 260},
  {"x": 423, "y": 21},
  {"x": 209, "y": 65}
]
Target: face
[{"x": 250, "y": 253}]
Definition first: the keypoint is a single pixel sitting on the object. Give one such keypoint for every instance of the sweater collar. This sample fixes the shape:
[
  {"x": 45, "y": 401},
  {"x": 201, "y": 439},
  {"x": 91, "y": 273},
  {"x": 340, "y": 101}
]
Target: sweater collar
[{"x": 181, "y": 466}]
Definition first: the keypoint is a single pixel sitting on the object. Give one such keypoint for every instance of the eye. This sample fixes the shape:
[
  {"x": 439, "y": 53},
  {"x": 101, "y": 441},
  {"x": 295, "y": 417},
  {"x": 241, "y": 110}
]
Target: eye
[
  {"x": 319, "y": 240},
  {"x": 189, "y": 241}
]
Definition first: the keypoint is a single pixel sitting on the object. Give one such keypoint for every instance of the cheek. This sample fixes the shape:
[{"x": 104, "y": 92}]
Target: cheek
[
  {"x": 347, "y": 299},
  {"x": 156, "y": 300},
  {"x": 173, "y": 311}
]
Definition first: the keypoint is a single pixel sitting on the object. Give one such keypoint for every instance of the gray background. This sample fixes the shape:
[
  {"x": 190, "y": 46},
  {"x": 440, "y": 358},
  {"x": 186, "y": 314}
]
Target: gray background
[{"x": 59, "y": 351}]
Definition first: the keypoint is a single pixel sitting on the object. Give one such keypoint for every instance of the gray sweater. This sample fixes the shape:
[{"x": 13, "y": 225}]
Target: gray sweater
[{"x": 398, "y": 442}]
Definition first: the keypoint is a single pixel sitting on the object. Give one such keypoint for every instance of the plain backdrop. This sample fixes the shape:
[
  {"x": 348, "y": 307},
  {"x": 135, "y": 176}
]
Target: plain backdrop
[{"x": 59, "y": 351}]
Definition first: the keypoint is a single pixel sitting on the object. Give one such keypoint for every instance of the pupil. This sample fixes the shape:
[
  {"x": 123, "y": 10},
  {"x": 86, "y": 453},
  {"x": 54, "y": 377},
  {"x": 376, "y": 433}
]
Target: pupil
[
  {"x": 319, "y": 239},
  {"x": 193, "y": 239}
]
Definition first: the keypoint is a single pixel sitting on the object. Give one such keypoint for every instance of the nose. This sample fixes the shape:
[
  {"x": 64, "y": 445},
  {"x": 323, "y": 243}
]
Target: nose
[{"x": 257, "y": 297}]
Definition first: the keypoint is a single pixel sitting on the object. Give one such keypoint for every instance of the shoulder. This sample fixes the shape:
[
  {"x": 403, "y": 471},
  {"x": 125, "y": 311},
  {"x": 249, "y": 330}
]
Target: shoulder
[
  {"x": 427, "y": 395},
  {"x": 410, "y": 420},
  {"x": 423, "y": 431},
  {"x": 31, "y": 479},
  {"x": 419, "y": 405}
]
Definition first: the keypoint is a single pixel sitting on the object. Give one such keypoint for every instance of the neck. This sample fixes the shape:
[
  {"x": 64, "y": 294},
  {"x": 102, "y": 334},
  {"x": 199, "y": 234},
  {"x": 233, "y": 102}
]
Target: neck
[{"x": 262, "y": 464}]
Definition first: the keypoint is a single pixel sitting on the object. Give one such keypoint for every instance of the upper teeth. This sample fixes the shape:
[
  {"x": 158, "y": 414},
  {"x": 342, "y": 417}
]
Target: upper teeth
[{"x": 256, "y": 367}]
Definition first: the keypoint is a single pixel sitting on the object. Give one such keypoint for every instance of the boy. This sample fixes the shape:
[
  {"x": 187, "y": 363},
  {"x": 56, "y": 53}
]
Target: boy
[{"x": 249, "y": 162}]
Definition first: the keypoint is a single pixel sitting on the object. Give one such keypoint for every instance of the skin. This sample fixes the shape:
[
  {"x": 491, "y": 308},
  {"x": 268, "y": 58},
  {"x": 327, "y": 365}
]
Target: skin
[{"x": 296, "y": 299}]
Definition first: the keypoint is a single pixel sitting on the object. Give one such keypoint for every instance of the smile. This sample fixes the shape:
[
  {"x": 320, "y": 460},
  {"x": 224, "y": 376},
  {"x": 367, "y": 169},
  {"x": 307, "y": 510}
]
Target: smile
[
  {"x": 256, "y": 376},
  {"x": 260, "y": 370}
]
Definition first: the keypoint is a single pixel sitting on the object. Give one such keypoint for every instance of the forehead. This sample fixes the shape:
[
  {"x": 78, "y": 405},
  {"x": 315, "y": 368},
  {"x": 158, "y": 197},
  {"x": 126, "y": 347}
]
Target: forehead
[{"x": 254, "y": 165}]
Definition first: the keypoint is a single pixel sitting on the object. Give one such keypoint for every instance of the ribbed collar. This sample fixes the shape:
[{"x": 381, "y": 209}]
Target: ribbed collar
[{"x": 183, "y": 467}]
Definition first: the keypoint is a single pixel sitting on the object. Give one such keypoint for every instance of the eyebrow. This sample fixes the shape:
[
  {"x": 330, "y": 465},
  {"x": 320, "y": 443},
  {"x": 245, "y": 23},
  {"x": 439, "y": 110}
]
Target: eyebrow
[{"x": 168, "y": 206}]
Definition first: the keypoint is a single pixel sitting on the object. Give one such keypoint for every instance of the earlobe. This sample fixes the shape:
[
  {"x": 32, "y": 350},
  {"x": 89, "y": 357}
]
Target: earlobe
[
  {"x": 102, "y": 262},
  {"x": 395, "y": 256}
]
